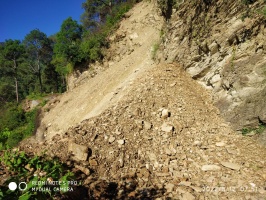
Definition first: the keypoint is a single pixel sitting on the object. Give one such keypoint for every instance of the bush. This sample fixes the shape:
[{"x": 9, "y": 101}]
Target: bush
[
  {"x": 12, "y": 117},
  {"x": 14, "y": 138},
  {"x": 16, "y": 125},
  {"x": 91, "y": 47}
]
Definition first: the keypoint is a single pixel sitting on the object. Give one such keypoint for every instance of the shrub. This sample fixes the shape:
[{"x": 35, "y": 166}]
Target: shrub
[
  {"x": 16, "y": 125},
  {"x": 12, "y": 117}
]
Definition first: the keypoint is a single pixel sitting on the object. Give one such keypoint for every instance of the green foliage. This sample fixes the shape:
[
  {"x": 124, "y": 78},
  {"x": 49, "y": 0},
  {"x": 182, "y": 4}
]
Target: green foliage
[
  {"x": 12, "y": 54},
  {"x": 93, "y": 42},
  {"x": 30, "y": 170},
  {"x": 67, "y": 47},
  {"x": 35, "y": 96},
  {"x": 39, "y": 53},
  {"x": 68, "y": 40},
  {"x": 12, "y": 117},
  {"x": 91, "y": 48},
  {"x": 256, "y": 130},
  {"x": 7, "y": 92},
  {"x": 15, "y": 125},
  {"x": 95, "y": 9},
  {"x": 247, "y": 2}
]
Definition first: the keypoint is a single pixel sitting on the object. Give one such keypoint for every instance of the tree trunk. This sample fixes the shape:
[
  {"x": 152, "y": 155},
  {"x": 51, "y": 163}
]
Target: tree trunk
[
  {"x": 40, "y": 76},
  {"x": 16, "y": 79},
  {"x": 16, "y": 85}
]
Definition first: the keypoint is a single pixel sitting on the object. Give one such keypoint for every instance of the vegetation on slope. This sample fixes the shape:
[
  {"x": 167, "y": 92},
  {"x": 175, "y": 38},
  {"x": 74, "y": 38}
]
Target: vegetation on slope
[
  {"x": 41, "y": 64},
  {"x": 34, "y": 68}
]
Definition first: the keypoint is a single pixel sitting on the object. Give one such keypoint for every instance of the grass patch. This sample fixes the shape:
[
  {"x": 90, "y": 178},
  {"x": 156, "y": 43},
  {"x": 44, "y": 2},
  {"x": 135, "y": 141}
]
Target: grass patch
[{"x": 257, "y": 130}]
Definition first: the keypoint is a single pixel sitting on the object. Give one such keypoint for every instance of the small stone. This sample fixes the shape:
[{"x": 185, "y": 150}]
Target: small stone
[
  {"x": 169, "y": 187},
  {"x": 147, "y": 125},
  {"x": 83, "y": 169},
  {"x": 111, "y": 139},
  {"x": 133, "y": 36},
  {"x": 167, "y": 128},
  {"x": 220, "y": 144},
  {"x": 185, "y": 183},
  {"x": 173, "y": 84},
  {"x": 197, "y": 143},
  {"x": 144, "y": 172},
  {"x": 165, "y": 113},
  {"x": 231, "y": 165},
  {"x": 168, "y": 152},
  {"x": 93, "y": 162},
  {"x": 210, "y": 168},
  {"x": 214, "y": 48},
  {"x": 121, "y": 142},
  {"x": 117, "y": 132},
  {"x": 80, "y": 152}
]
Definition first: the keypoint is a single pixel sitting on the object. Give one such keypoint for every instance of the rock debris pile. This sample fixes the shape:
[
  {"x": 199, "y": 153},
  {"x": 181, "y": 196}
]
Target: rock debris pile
[{"x": 163, "y": 139}]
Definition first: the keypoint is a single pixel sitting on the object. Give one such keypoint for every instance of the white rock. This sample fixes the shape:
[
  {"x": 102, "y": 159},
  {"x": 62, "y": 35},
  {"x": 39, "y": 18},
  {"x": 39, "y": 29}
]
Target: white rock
[
  {"x": 173, "y": 84},
  {"x": 167, "y": 128},
  {"x": 147, "y": 125},
  {"x": 117, "y": 132},
  {"x": 165, "y": 113},
  {"x": 111, "y": 139},
  {"x": 220, "y": 144},
  {"x": 210, "y": 167},
  {"x": 121, "y": 142},
  {"x": 231, "y": 165},
  {"x": 197, "y": 143},
  {"x": 133, "y": 36}
]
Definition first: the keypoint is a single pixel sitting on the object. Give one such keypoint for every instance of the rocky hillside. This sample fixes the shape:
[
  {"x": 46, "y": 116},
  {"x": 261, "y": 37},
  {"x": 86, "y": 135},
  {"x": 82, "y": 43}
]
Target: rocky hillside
[
  {"x": 129, "y": 55},
  {"x": 221, "y": 44},
  {"x": 134, "y": 129}
]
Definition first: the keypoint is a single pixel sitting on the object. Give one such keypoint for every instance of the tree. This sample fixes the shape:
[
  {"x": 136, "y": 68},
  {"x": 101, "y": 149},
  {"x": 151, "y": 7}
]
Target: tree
[
  {"x": 12, "y": 54},
  {"x": 66, "y": 49},
  {"x": 96, "y": 11},
  {"x": 39, "y": 51}
]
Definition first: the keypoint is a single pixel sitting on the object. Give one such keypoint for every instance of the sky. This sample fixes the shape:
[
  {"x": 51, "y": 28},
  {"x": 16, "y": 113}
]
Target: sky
[{"x": 19, "y": 17}]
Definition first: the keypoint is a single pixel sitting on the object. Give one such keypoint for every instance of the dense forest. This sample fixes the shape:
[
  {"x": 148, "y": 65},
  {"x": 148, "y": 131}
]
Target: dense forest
[{"x": 39, "y": 64}]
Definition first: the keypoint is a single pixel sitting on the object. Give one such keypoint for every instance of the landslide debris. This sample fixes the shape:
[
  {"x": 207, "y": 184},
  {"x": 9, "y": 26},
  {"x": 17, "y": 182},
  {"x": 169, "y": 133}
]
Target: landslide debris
[
  {"x": 143, "y": 131},
  {"x": 163, "y": 139}
]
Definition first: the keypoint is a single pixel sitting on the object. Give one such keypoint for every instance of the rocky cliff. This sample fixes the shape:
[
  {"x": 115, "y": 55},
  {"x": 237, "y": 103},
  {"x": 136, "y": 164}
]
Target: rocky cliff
[{"x": 222, "y": 45}]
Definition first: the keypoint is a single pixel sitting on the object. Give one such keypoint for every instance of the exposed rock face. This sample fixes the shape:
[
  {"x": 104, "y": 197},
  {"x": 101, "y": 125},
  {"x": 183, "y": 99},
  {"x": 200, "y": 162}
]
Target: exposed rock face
[{"x": 224, "y": 53}]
